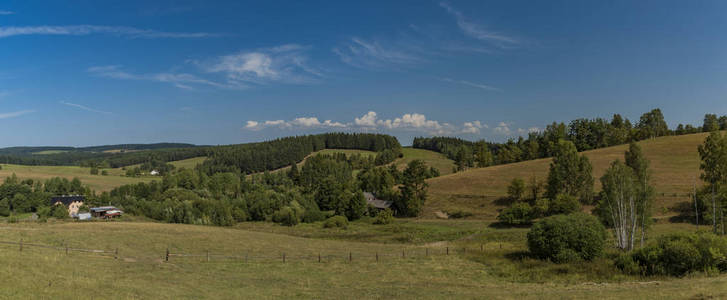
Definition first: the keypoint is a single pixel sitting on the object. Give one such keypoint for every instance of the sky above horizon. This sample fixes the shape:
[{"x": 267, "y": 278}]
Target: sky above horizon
[{"x": 224, "y": 72}]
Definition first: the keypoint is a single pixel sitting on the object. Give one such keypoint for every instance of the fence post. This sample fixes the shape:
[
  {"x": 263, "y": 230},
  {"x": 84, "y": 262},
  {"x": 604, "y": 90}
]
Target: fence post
[
  {"x": 319, "y": 257},
  {"x": 246, "y": 254},
  {"x": 208, "y": 256},
  {"x": 283, "y": 257},
  {"x": 116, "y": 253},
  {"x": 464, "y": 250},
  {"x": 166, "y": 257},
  {"x": 66, "y": 249},
  {"x": 377, "y": 256},
  {"x": 21, "y": 245},
  {"x": 482, "y": 248},
  {"x": 426, "y": 251},
  {"x": 447, "y": 250},
  {"x": 350, "y": 257}
]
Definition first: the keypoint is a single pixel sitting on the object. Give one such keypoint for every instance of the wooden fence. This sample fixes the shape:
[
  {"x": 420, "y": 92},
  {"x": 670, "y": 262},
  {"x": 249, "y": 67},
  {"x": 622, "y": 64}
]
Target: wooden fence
[{"x": 282, "y": 257}]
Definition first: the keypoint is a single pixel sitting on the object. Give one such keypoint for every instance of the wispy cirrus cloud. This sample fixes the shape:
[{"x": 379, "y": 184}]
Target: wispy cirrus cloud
[
  {"x": 78, "y": 30},
  {"x": 282, "y": 64},
  {"x": 15, "y": 114},
  {"x": 374, "y": 54},
  {"x": 86, "y": 108},
  {"x": 180, "y": 80},
  {"x": 6, "y": 12},
  {"x": 478, "y": 31},
  {"x": 472, "y": 84}
]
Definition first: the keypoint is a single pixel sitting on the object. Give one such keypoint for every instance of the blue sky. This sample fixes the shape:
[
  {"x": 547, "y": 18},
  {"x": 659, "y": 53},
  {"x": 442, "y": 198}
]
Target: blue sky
[{"x": 221, "y": 72}]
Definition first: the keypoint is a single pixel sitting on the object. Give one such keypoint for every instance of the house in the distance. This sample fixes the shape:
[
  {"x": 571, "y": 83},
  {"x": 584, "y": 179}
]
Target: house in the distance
[
  {"x": 72, "y": 202},
  {"x": 106, "y": 212},
  {"x": 371, "y": 200}
]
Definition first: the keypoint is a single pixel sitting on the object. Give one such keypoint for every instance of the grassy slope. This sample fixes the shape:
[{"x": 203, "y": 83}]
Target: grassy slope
[
  {"x": 96, "y": 182},
  {"x": 674, "y": 165},
  {"x": 431, "y": 158},
  {"x": 140, "y": 273},
  {"x": 189, "y": 163}
]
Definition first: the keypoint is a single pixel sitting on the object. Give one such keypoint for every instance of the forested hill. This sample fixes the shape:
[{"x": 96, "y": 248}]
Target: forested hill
[
  {"x": 244, "y": 158},
  {"x": 45, "y": 150},
  {"x": 586, "y": 134},
  {"x": 271, "y": 155}
]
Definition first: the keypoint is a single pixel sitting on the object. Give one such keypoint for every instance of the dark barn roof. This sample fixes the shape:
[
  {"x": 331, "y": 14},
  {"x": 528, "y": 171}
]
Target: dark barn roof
[
  {"x": 67, "y": 200},
  {"x": 377, "y": 203}
]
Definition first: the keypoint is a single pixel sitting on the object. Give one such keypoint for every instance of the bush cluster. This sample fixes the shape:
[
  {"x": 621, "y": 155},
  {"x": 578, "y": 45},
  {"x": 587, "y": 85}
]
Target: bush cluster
[
  {"x": 567, "y": 238},
  {"x": 336, "y": 222},
  {"x": 677, "y": 255}
]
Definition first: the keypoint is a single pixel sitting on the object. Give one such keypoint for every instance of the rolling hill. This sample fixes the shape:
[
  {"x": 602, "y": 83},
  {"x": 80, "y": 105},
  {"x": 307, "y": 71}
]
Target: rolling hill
[{"x": 674, "y": 167}]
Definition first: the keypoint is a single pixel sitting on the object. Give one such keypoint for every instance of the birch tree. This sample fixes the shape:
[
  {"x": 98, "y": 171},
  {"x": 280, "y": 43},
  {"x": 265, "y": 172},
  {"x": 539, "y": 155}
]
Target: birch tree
[
  {"x": 618, "y": 200},
  {"x": 714, "y": 169},
  {"x": 644, "y": 193}
]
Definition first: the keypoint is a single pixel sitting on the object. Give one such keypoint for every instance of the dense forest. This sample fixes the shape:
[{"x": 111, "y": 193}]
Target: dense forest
[
  {"x": 271, "y": 155},
  {"x": 585, "y": 134}
]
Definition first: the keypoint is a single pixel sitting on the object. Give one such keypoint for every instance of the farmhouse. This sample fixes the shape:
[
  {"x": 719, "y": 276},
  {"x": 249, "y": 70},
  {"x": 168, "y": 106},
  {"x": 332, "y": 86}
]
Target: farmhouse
[
  {"x": 106, "y": 212},
  {"x": 72, "y": 202},
  {"x": 371, "y": 200}
]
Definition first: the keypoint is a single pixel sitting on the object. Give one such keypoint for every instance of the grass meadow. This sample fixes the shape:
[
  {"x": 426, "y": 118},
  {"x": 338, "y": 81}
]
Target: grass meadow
[{"x": 498, "y": 272}]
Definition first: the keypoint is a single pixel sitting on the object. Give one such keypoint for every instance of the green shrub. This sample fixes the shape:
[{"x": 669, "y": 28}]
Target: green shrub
[
  {"x": 313, "y": 215},
  {"x": 680, "y": 254},
  {"x": 516, "y": 189},
  {"x": 566, "y": 238},
  {"x": 286, "y": 216},
  {"x": 59, "y": 211},
  {"x": 563, "y": 204},
  {"x": 384, "y": 217},
  {"x": 518, "y": 213},
  {"x": 336, "y": 222}
]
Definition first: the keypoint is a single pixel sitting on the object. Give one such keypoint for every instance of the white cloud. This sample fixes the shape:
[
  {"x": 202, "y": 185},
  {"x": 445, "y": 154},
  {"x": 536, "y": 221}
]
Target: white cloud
[
  {"x": 78, "y": 30},
  {"x": 285, "y": 63},
  {"x": 502, "y": 128},
  {"x": 83, "y": 107},
  {"x": 372, "y": 55},
  {"x": 180, "y": 80},
  {"x": 367, "y": 120},
  {"x": 15, "y": 114},
  {"x": 473, "y": 127},
  {"x": 6, "y": 12},
  {"x": 529, "y": 130},
  {"x": 477, "y": 31},
  {"x": 472, "y": 84}
]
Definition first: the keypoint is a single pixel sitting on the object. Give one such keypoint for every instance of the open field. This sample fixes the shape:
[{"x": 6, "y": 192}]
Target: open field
[
  {"x": 49, "y": 152},
  {"x": 674, "y": 167},
  {"x": 140, "y": 271},
  {"x": 189, "y": 163},
  {"x": 431, "y": 158},
  {"x": 96, "y": 182}
]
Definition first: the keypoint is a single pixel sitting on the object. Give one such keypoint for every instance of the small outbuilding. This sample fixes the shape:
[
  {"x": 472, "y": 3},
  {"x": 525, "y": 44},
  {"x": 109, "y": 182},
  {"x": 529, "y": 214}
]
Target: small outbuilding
[
  {"x": 371, "y": 200},
  {"x": 106, "y": 212},
  {"x": 72, "y": 202}
]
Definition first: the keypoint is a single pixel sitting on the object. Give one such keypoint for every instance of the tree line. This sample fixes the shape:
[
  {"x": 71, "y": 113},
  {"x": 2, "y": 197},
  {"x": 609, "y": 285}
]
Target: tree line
[{"x": 585, "y": 134}]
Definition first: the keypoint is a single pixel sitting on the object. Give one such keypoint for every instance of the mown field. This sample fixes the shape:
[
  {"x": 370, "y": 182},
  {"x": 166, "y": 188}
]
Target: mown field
[
  {"x": 140, "y": 271},
  {"x": 96, "y": 182},
  {"x": 674, "y": 167}
]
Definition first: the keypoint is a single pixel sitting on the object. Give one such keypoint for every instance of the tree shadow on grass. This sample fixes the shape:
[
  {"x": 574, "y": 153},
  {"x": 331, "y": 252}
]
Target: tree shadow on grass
[
  {"x": 518, "y": 255},
  {"x": 501, "y": 225}
]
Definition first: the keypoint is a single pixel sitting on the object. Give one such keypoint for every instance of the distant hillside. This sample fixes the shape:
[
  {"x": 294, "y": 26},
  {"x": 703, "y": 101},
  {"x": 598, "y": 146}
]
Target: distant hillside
[
  {"x": 45, "y": 150},
  {"x": 674, "y": 167}
]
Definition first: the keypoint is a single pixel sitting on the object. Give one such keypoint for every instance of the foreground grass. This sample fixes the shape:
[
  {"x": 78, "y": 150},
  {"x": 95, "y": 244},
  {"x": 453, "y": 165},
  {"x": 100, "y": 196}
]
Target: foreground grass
[
  {"x": 141, "y": 273},
  {"x": 674, "y": 167}
]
